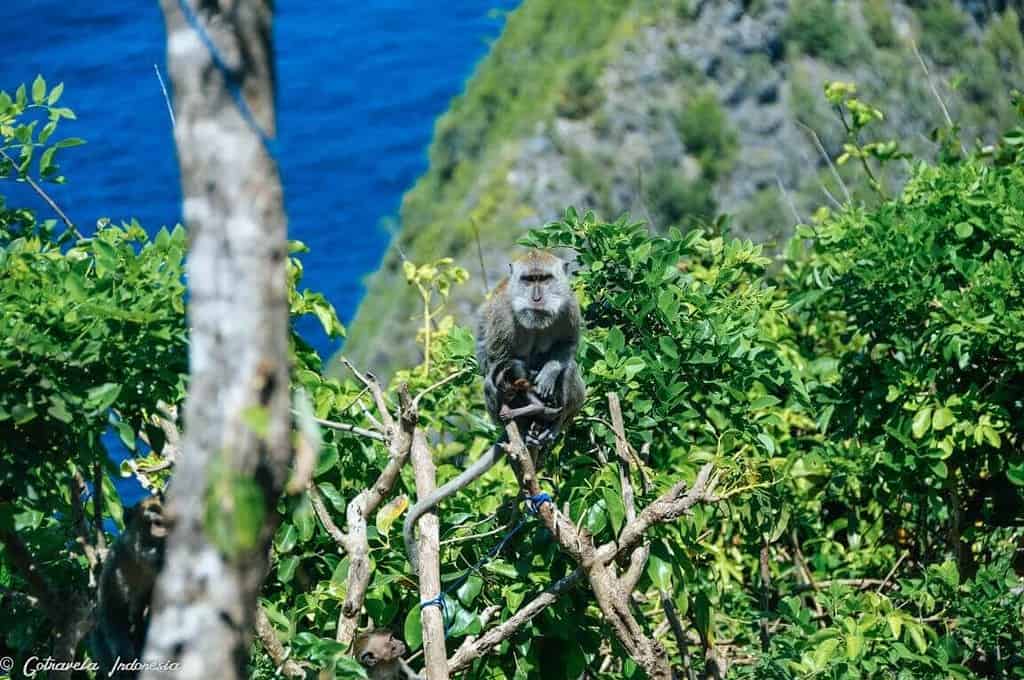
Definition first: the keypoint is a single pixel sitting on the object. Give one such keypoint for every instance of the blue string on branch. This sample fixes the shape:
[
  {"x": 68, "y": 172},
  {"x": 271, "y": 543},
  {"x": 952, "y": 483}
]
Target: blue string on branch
[
  {"x": 533, "y": 506},
  {"x": 439, "y": 603},
  {"x": 534, "y": 503},
  {"x": 231, "y": 79}
]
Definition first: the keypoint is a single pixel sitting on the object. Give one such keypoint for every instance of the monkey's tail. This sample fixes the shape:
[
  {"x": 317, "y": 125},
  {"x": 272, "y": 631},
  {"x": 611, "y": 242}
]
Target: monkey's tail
[{"x": 467, "y": 477}]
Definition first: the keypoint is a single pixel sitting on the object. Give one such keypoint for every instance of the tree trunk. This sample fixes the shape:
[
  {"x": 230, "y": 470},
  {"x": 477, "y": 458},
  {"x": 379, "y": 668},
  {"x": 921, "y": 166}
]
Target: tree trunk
[{"x": 236, "y": 448}]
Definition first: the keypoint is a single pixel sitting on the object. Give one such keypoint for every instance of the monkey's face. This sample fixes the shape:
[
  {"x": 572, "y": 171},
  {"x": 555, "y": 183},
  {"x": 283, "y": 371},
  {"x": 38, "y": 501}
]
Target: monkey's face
[
  {"x": 378, "y": 647},
  {"x": 146, "y": 520},
  {"x": 539, "y": 290}
]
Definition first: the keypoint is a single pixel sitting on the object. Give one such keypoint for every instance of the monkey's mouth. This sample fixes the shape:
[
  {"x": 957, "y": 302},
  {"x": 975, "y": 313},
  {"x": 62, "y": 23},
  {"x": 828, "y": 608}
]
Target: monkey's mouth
[{"x": 157, "y": 528}]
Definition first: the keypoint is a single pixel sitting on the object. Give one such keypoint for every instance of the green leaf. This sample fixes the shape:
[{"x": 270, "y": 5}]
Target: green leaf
[
  {"x": 964, "y": 230},
  {"x": 922, "y": 421},
  {"x": 916, "y": 636},
  {"x": 615, "y": 340},
  {"x": 126, "y": 433},
  {"x": 286, "y": 568},
  {"x": 304, "y": 518},
  {"x": 1015, "y": 473},
  {"x": 413, "y": 629},
  {"x": 854, "y": 645},
  {"x": 38, "y": 90},
  {"x": 633, "y": 366},
  {"x": 768, "y": 442},
  {"x": 780, "y": 525},
  {"x": 328, "y": 461},
  {"x": 824, "y": 652},
  {"x": 764, "y": 402},
  {"x": 942, "y": 418},
  {"x": 668, "y": 347},
  {"x": 331, "y": 493},
  {"x": 660, "y": 572},
  {"x": 469, "y": 590},
  {"x": 501, "y": 568},
  {"x": 895, "y": 625},
  {"x": 55, "y": 94},
  {"x": 616, "y": 509},
  {"x": 287, "y": 538},
  {"x": 595, "y": 519},
  {"x": 347, "y": 668},
  {"x": 58, "y": 409},
  {"x": 991, "y": 436},
  {"x": 69, "y": 142},
  {"x": 387, "y": 515},
  {"x": 102, "y": 397}
]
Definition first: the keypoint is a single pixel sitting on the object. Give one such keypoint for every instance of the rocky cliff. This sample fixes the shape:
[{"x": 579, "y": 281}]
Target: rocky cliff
[{"x": 676, "y": 111}]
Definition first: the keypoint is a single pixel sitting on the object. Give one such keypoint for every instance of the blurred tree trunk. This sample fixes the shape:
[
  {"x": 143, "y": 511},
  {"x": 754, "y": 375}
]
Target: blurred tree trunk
[{"x": 236, "y": 448}]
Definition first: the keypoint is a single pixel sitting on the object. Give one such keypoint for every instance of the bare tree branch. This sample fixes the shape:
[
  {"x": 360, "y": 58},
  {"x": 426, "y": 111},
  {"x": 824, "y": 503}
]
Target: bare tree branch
[
  {"x": 638, "y": 558},
  {"x": 348, "y": 427},
  {"x": 434, "y": 653},
  {"x": 271, "y": 643},
  {"x": 612, "y": 600},
  {"x": 594, "y": 562},
  {"x": 359, "y": 510}
]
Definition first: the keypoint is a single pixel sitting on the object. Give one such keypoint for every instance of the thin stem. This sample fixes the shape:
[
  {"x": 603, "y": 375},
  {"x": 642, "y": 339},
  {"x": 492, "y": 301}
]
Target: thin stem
[{"x": 46, "y": 197}]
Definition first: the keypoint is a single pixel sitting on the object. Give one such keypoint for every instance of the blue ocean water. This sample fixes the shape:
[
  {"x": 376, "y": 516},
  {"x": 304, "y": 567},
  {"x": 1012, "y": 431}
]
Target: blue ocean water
[{"x": 360, "y": 85}]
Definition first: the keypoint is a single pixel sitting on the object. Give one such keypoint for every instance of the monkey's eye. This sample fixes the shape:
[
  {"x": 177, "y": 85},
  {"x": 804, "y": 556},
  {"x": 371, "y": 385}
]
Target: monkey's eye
[{"x": 536, "y": 278}]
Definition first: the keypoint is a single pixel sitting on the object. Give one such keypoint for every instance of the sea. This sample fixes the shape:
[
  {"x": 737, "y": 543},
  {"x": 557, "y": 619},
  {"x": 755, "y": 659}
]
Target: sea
[{"x": 360, "y": 84}]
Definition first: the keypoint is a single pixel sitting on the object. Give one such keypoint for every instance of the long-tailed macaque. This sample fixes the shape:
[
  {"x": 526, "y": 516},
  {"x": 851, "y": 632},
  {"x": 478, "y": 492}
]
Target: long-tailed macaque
[
  {"x": 126, "y": 586},
  {"x": 529, "y": 331},
  {"x": 380, "y": 653}
]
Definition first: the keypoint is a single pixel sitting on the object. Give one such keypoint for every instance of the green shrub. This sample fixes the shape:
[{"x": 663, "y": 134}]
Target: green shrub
[
  {"x": 819, "y": 28},
  {"x": 878, "y": 17},
  {"x": 706, "y": 132},
  {"x": 673, "y": 200},
  {"x": 943, "y": 30},
  {"x": 581, "y": 94},
  {"x": 1004, "y": 40},
  {"x": 766, "y": 217}
]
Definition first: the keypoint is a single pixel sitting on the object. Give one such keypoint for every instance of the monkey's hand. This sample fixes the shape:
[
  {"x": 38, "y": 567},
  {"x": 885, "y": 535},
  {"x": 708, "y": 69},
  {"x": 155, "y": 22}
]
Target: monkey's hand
[{"x": 547, "y": 379}]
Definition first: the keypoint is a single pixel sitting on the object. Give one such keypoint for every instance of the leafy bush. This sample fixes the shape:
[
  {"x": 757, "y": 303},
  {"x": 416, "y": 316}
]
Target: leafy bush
[
  {"x": 674, "y": 200},
  {"x": 581, "y": 94},
  {"x": 878, "y": 17},
  {"x": 821, "y": 29},
  {"x": 1004, "y": 40},
  {"x": 705, "y": 130},
  {"x": 943, "y": 25}
]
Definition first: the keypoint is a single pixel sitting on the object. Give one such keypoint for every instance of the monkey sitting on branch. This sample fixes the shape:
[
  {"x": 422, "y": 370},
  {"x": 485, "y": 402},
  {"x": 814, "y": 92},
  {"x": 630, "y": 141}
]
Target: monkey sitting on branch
[
  {"x": 380, "y": 653},
  {"x": 527, "y": 338},
  {"x": 126, "y": 587}
]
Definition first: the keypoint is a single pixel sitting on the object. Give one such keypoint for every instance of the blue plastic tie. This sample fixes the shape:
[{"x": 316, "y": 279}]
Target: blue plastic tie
[
  {"x": 439, "y": 603},
  {"x": 534, "y": 503}
]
